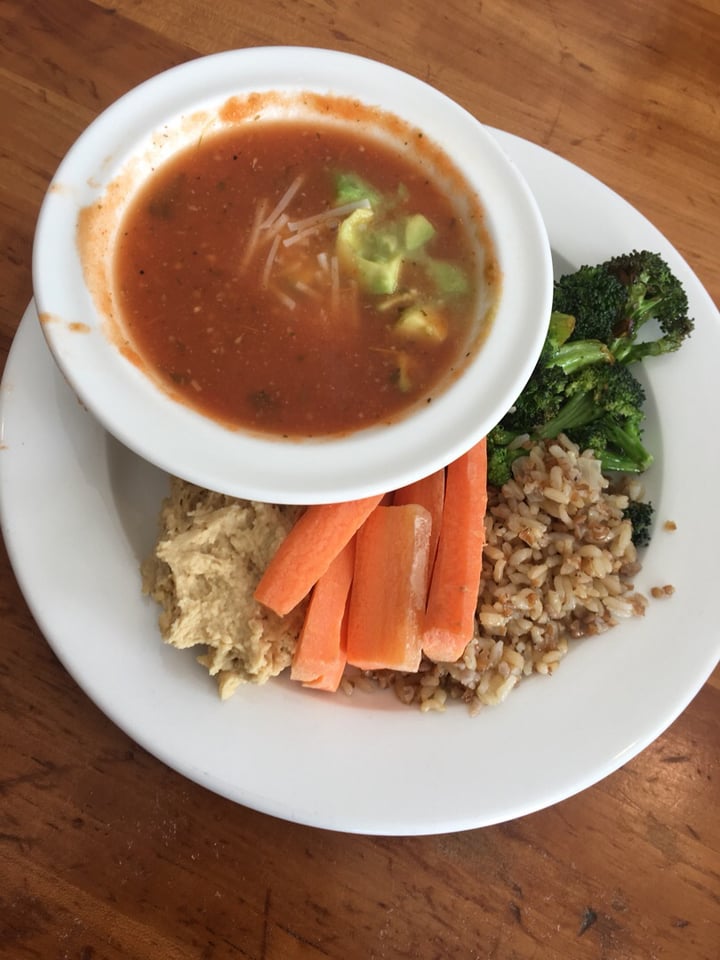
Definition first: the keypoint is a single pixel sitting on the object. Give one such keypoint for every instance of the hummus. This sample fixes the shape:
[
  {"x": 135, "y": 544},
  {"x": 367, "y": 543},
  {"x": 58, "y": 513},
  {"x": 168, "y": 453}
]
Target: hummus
[{"x": 209, "y": 556}]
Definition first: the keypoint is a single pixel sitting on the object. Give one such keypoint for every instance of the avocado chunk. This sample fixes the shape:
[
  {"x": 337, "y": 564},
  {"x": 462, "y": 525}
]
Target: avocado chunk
[
  {"x": 349, "y": 188},
  {"x": 379, "y": 276},
  {"x": 447, "y": 277},
  {"x": 373, "y": 255},
  {"x": 418, "y": 230}
]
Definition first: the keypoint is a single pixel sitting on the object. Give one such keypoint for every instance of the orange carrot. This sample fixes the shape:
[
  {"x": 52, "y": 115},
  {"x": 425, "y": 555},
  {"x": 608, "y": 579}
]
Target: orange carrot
[
  {"x": 319, "y": 658},
  {"x": 308, "y": 550},
  {"x": 389, "y": 589},
  {"x": 429, "y": 492},
  {"x": 330, "y": 680},
  {"x": 455, "y": 582}
]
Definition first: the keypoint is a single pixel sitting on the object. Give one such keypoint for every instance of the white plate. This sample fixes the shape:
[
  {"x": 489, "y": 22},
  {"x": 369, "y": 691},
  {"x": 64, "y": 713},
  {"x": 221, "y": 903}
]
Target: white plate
[{"x": 78, "y": 513}]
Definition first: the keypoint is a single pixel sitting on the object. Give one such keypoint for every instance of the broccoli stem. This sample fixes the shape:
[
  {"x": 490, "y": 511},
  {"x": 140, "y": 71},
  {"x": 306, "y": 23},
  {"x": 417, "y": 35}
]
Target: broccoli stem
[
  {"x": 625, "y": 351},
  {"x": 616, "y": 463},
  {"x": 576, "y": 354},
  {"x": 632, "y": 452},
  {"x": 629, "y": 454},
  {"x": 579, "y": 410}
]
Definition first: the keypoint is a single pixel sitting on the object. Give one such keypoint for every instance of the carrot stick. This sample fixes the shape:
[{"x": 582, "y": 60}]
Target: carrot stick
[
  {"x": 389, "y": 589},
  {"x": 330, "y": 679},
  {"x": 308, "y": 550},
  {"x": 320, "y": 655},
  {"x": 429, "y": 492},
  {"x": 455, "y": 582}
]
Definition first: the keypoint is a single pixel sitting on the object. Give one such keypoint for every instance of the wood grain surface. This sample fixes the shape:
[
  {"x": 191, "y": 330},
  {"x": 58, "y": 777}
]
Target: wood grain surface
[{"x": 106, "y": 853}]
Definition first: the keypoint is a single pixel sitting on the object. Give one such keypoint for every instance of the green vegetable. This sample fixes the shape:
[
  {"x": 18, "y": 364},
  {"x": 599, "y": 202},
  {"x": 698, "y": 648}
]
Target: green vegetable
[
  {"x": 374, "y": 243},
  {"x": 349, "y": 188},
  {"x": 374, "y": 255},
  {"x": 418, "y": 230},
  {"x": 379, "y": 276},
  {"x": 640, "y": 514},
  {"x": 449, "y": 279},
  {"x": 599, "y": 408},
  {"x": 610, "y": 398},
  {"x": 501, "y": 455},
  {"x": 570, "y": 355},
  {"x": 613, "y": 301},
  {"x": 594, "y": 298},
  {"x": 582, "y": 384},
  {"x": 652, "y": 291}
]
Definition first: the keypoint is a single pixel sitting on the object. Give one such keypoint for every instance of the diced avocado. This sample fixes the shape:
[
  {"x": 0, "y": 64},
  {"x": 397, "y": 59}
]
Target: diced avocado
[
  {"x": 352, "y": 235},
  {"x": 355, "y": 225},
  {"x": 382, "y": 243},
  {"x": 373, "y": 255},
  {"x": 448, "y": 277},
  {"x": 418, "y": 230},
  {"x": 422, "y": 322},
  {"x": 379, "y": 276},
  {"x": 349, "y": 187}
]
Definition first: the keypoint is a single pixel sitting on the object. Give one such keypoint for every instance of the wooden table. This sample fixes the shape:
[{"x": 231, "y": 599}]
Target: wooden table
[{"x": 104, "y": 851}]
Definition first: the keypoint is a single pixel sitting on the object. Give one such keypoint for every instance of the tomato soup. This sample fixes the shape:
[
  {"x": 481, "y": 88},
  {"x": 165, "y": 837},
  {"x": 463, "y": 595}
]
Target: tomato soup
[{"x": 298, "y": 279}]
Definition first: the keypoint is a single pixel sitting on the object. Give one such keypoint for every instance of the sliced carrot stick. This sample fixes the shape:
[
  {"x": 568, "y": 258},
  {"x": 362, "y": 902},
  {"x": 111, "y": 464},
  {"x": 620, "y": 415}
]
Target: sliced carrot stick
[
  {"x": 320, "y": 655},
  {"x": 429, "y": 492},
  {"x": 330, "y": 679},
  {"x": 308, "y": 550},
  {"x": 455, "y": 581},
  {"x": 389, "y": 590}
]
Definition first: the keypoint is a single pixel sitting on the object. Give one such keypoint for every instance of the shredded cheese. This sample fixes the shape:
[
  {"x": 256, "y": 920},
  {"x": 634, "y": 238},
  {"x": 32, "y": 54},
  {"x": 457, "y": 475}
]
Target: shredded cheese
[
  {"x": 269, "y": 260},
  {"x": 308, "y": 232},
  {"x": 333, "y": 214},
  {"x": 283, "y": 202},
  {"x": 254, "y": 234}
]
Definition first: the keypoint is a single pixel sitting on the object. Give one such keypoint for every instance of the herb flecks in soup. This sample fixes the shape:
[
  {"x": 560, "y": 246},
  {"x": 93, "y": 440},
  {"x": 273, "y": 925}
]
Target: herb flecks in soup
[{"x": 296, "y": 279}]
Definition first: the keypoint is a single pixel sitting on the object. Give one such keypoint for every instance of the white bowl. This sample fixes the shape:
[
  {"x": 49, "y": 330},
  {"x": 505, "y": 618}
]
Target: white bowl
[{"x": 165, "y": 113}]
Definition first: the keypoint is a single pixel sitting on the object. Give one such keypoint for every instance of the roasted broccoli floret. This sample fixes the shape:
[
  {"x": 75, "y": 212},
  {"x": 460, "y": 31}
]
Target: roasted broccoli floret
[
  {"x": 640, "y": 514},
  {"x": 618, "y": 447},
  {"x": 625, "y": 451},
  {"x": 604, "y": 412},
  {"x": 542, "y": 398},
  {"x": 612, "y": 301},
  {"x": 591, "y": 436},
  {"x": 651, "y": 291},
  {"x": 594, "y": 297},
  {"x": 595, "y": 392},
  {"x": 563, "y": 349},
  {"x": 501, "y": 456},
  {"x": 582, "y": 385},
  {"x": 547, "y": 388}
]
